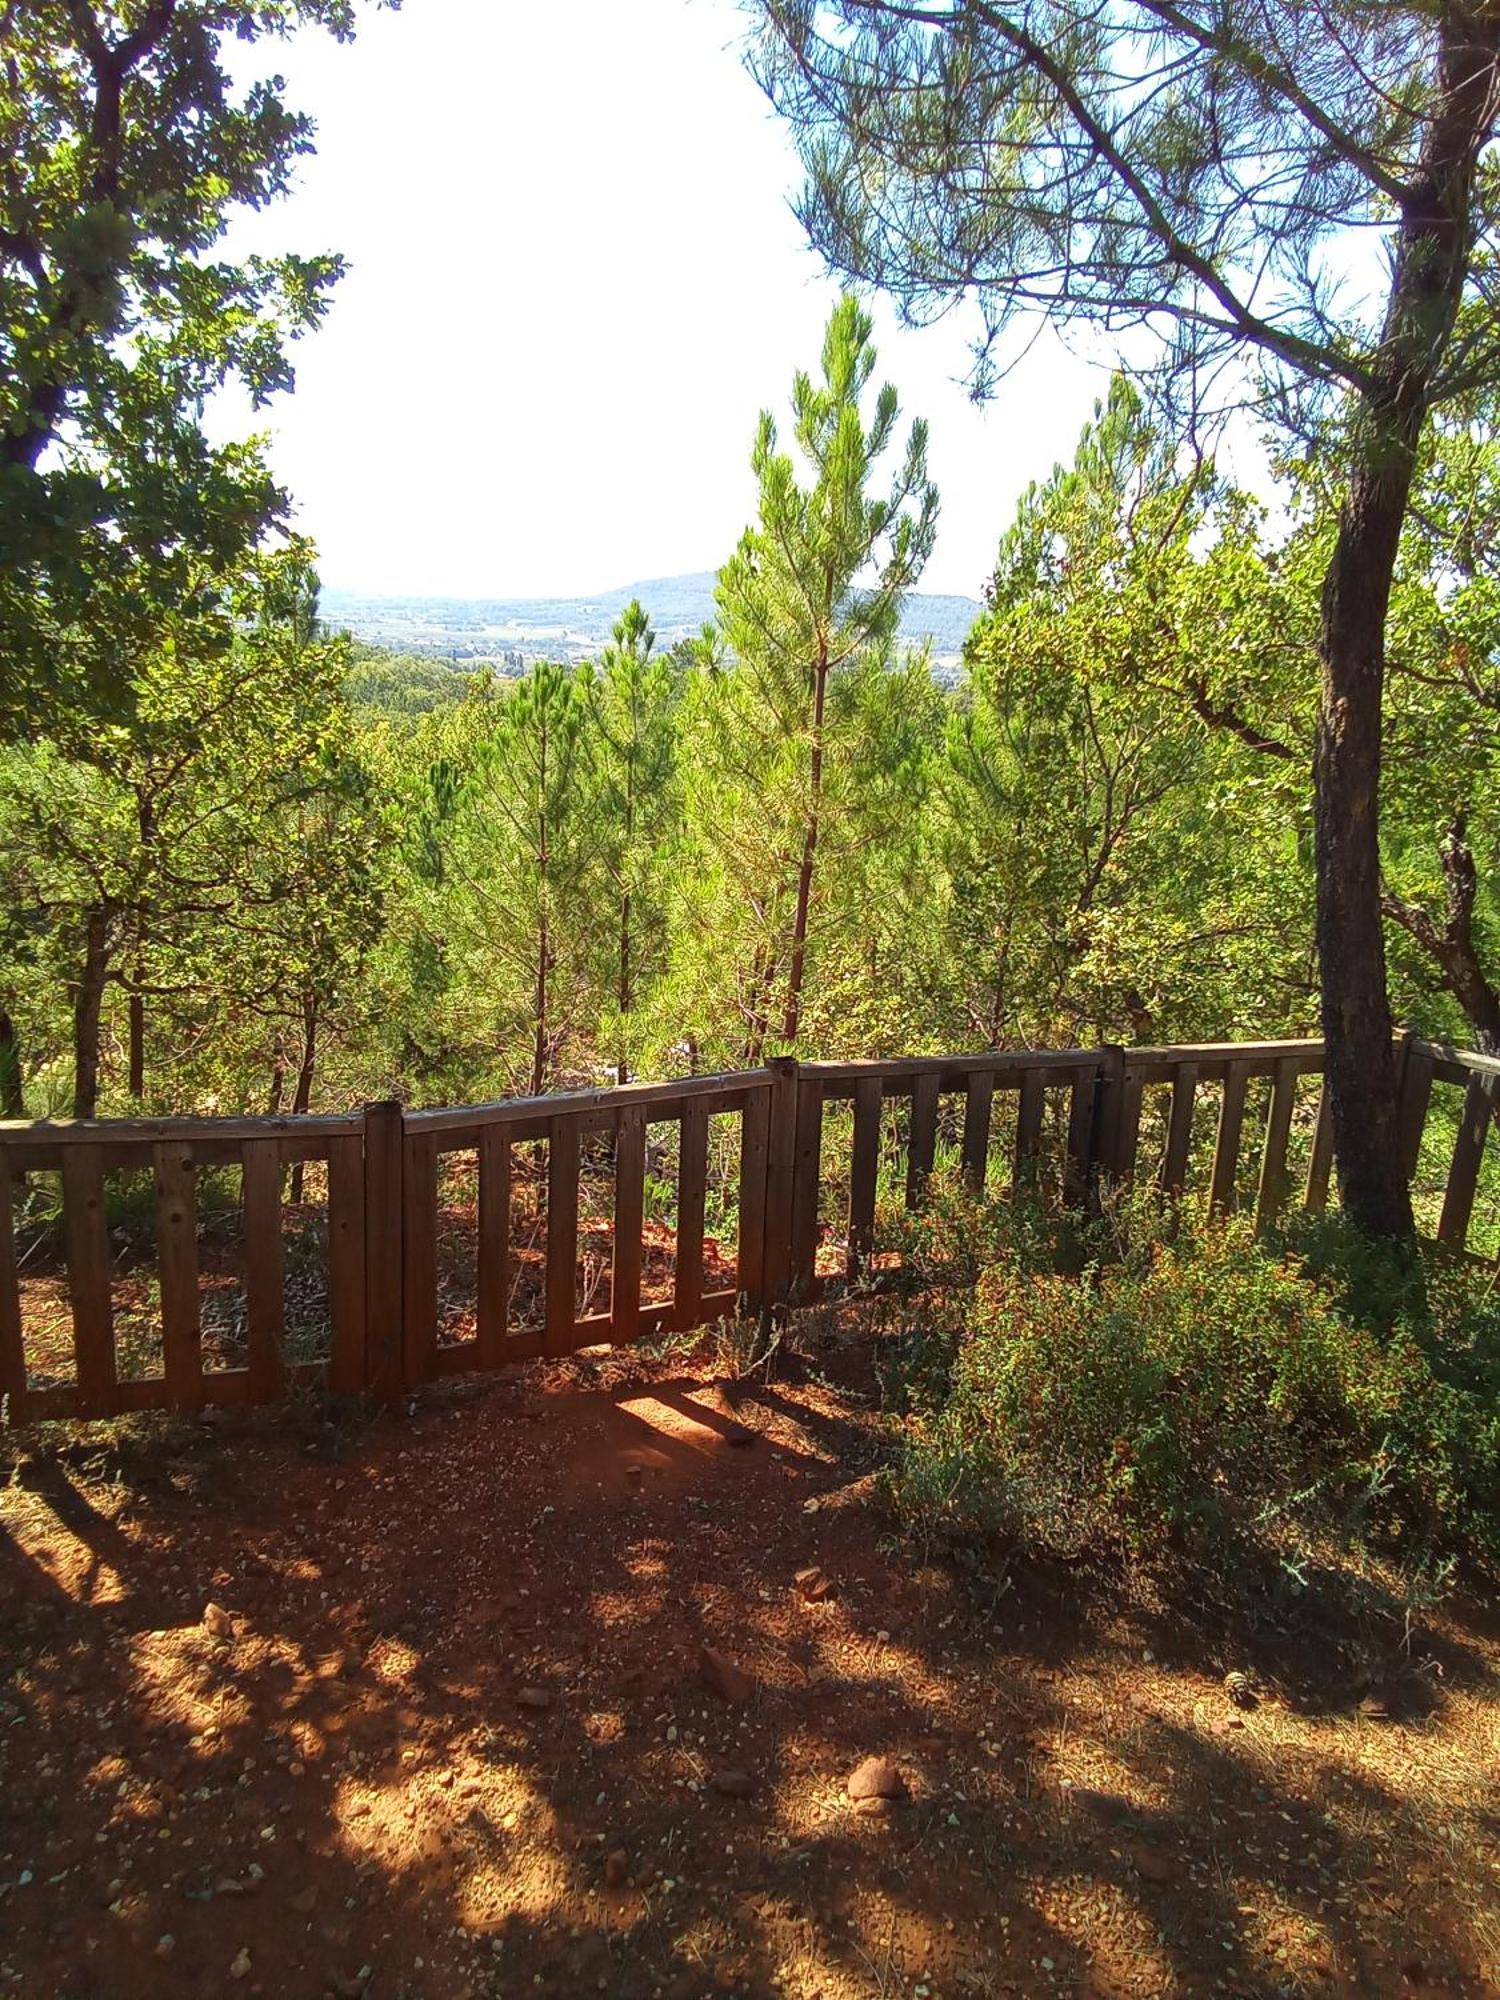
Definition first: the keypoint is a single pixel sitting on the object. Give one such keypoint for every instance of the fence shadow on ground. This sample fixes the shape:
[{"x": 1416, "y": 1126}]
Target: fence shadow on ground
[{"x": 468, "y": 1676}]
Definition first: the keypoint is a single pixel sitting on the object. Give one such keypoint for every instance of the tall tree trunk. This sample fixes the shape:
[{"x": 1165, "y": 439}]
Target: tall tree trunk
[
  {"x": 1431, "y": 267},
  {"x": 756, "y": 1009},
  {"x": 793, "y": 1017},
  {"x": 278, "y": 1079},
  {"x": 12, "y": 1095},
  {"x": 539, "y": 1039},
  {"x": 302, "y": 1094},
  {"x": 1357, "y": 1027},
  {"x": 88, "y": 1000},
  {"x": 137, "y": 1041},
  {"x": 623, "y": 996}
]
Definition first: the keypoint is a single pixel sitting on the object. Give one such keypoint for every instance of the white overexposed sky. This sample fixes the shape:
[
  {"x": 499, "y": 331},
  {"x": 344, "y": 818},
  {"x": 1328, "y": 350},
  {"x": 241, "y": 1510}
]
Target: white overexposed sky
[{"x": 574, "y": 281}]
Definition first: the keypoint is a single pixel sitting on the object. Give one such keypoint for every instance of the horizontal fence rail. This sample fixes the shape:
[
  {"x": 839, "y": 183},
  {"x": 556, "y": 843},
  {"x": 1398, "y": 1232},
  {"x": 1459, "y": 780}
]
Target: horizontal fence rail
[{"x": 799, "y": 1171}]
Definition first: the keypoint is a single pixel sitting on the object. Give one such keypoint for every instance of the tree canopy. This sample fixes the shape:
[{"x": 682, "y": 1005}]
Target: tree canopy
[
  {"x": 125, "y": 149},
  {"x": 1220, "y": 178}
]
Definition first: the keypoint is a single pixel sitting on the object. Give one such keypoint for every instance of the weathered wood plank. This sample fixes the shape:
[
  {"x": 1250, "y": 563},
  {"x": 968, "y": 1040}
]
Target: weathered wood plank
[
  {"x": 562, "y": 1233},
  {"x": 922, "y": 1139},
  {"x": 979, "y": 1098},
  {"x": 419, "y": 1257},
  {"x": 805, "y": 1187},
  {"x": 1126, "y": 1138},
  {"x": 1030, "y": 1108},
  {"x": 692, "y": 1187},
  {"x": 1221, "y": 1192},
  {"x": 1273, "y": 1189},
  {"x": 723, "y": 1092},
  {"x": 492, "y": 1265},
  {"x": 12, "y": 1338},
  {"x": 781, "y": 1166},
  {"x": 348, "y": 1357},
  {"x": 1174, "y": 1166},
  {"x": 1468, "y": 1152},
  {"x": 750, "y": 1255},
  {"x": 265, "y": 1286},
  {"x": 864, "y": 1174},
  {"x": 1320, "y": 1159},
  {"x": 1416, "y": 1095},
  {"x": 177, "y": 1258},
  {"x": 630, "y": 1187},
  {"x": 1082, "y": 1112},
  {"x": 385, "y": 1358}
]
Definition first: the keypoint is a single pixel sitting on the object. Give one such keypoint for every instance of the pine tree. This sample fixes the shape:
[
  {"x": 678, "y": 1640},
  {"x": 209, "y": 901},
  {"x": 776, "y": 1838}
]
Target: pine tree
[
  {"x": 795, "y": 617},
  {"x": 635, "y": 714}
]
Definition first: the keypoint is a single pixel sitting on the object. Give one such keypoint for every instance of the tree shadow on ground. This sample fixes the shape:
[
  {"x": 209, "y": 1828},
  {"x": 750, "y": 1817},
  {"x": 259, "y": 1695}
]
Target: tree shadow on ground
[{"x": 461, "y": 1740}]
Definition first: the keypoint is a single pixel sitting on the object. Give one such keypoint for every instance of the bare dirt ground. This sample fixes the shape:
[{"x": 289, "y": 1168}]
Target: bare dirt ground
[{"x": 455, "y": 1736}]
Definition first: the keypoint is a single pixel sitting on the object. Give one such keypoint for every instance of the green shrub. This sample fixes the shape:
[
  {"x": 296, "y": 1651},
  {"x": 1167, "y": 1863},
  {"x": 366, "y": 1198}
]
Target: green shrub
[{"x": 1215, "y": 1396}]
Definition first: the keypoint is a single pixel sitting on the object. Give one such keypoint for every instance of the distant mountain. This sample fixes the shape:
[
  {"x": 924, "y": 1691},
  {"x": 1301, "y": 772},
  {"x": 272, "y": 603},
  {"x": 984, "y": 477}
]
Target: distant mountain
[{"x": 508, "y": 629}]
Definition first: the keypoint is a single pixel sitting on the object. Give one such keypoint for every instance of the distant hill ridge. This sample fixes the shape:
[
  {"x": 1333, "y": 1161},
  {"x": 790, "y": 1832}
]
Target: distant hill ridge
[{"x": 478, "y": 628}]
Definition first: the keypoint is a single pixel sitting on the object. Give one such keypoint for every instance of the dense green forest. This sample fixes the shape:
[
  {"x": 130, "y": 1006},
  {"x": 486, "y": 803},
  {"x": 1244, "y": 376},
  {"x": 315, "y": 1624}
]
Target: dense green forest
[
  {"x": 1215, "y": 763},
  {"x": 294, "y": 873}
]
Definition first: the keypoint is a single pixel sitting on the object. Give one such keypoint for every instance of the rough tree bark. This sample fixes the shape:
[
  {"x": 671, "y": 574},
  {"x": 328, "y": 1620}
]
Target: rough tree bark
[
  {"x": 306, "y": 1069},
  {"x": 1431, "y": 266},
  {"x": 88, "y": 1001},
  {"x": 792, "y": 1019}
]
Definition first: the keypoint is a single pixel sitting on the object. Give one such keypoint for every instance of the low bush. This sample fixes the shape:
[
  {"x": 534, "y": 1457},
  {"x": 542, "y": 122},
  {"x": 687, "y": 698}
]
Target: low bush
[{"x": 1212, "y": 1396}]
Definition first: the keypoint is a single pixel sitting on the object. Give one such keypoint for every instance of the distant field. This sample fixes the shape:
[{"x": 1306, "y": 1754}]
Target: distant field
[{"x": 468, "y": 628}]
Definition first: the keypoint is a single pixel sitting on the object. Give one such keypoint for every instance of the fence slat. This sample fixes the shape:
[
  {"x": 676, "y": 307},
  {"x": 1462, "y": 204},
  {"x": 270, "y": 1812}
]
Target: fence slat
[
  {"x": 1127, "y": 1133},
  {"x": 562, "y": 1233},
  {"x": 750, "y": 1253},
  {"x": 864, "y": 1174},
  {"x": 781, "y": 1162},
  {"x": 348, "y": 1352},
  {"x": 265, "y": 1286},
  {"x": 1468, "y": 1152},
  {"x": 1320, "y": 1160},
  {"x": 492, "y": 1263},
  {"x": 630, "y": 1189},
  {"x": 1174, "y": 1166},
  {"x": 1029, "y": 1113},
  {"x": 1082, "y": 1104},
  {"x": 979, "y": 1098},
  {"x": 385, "y": 1358},
  {"x": 12, "y": 1341},
  {"x": 177, "y": 1254},
  {"x": 922, "y": 1143},
  {"x": 1416, "y": 1095},
  {"x": 809, "y": 1152},
  {"x": 419, "y": 1257},
  {"x": 1272, "y": 1191},
  {"x": 1227, "y": 1140},
  {"x": 692, "y": 1185}
]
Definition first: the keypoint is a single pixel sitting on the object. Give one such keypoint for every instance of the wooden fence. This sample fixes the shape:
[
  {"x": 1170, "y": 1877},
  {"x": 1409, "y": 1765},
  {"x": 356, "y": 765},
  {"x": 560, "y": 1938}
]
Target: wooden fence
[{"x": 1077, "y": 1114}]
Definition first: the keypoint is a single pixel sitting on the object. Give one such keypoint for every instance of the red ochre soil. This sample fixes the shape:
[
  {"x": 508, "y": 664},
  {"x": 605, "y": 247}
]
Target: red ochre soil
[{"x": 460, "y": 1742}]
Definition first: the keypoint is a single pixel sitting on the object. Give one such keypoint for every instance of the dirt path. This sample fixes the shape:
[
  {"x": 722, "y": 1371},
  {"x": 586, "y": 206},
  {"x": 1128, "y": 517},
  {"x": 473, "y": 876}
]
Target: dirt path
[{"x": 461, "y": 1744}]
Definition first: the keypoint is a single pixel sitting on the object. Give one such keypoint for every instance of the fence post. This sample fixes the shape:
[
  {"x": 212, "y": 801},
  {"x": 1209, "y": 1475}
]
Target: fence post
[
  {"x": 781, "y": 1153},
  {"x": 385, "y": 1361},
  {"x": 1105, "y": 1141}
]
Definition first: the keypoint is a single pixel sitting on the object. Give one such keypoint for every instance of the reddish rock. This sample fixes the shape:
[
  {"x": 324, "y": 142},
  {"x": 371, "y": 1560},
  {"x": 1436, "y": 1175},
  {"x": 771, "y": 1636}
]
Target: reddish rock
[
  {"x": 875, "y": 1778},
  {"x": 616, "y": 1868},
  {"x": 536, "y": 1698},
  {"x": 723, "y": 1676},
  {"x": 733, "y": 1784}
]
